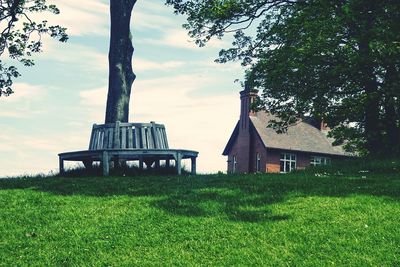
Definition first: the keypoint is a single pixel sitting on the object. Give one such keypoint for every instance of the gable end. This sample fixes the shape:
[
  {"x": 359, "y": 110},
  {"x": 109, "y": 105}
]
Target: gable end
[{"x": 232, "y": 140}]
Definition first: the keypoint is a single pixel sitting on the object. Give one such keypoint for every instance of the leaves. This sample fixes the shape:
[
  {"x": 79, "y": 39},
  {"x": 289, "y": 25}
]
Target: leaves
[
  {"x": 326, "y": 59},
  {"x": 21, "y": 36}
]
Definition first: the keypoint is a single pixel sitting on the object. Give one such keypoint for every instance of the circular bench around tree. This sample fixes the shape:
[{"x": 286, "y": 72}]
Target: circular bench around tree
[{"x": 119, "y": 142}]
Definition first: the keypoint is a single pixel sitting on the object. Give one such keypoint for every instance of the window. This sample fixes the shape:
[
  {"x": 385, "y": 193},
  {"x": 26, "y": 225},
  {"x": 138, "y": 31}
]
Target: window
[
  {"x": 258, "y": 162},
  {"x": 316, "y": 160},
  {"x": 288, "y": 162},
  {"x": 234, "y": 164}
]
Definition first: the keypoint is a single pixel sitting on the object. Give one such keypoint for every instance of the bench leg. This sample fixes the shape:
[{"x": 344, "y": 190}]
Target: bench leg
[
  {"x": 105, "y": 161},
  {"x": 193, "y": 169},
  {"x": 88, "y": 164},
  {"x": 149, "y": 163},
  {"x": 61, "y": 165},
  {"x": 167, "y": 163},
  {"x": 141, "y": 163},
  {"x": 178, "y": 163}
]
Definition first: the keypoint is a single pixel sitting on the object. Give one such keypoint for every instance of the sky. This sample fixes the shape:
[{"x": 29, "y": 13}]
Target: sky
[{"x": 177, "y": 84}]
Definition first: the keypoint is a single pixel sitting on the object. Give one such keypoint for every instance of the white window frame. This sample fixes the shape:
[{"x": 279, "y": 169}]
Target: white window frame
[
  {"x": 234, "y": 164},
  {"x": 320, "y": 160},
  {"x": 258, "y": 162},
  {"x": 289, "y": 158}
]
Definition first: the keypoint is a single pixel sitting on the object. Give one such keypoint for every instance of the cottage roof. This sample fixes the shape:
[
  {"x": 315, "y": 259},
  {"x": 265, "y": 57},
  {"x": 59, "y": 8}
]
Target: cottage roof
[{"x": 300, "y": 137}]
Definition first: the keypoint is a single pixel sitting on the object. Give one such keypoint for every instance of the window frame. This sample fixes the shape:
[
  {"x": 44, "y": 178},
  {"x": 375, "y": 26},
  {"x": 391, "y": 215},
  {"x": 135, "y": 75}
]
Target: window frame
[
  {"x": 258, "y": 162},
  {"x": 234, "y": 163},
  {"x": 319, "y": 160},
  {"x": 287, "y": 158}
]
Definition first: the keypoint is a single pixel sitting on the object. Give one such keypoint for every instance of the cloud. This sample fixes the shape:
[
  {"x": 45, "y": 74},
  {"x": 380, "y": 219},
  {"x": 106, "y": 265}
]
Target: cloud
[
  {"x": 19, "y": 104},
  {"x": 28, "y": 150},
  {"x": 82, "y": 18},
  {"x": 140, "y": 64},
  {"x": 179, "y": 38},
  {"x": 152, "y": 15},
  {"x": 92, "y": 17},
  {"x": 82, "y": 56},
  {"x": 93, "y": 97},
  {"x": 25, "y": 91}
]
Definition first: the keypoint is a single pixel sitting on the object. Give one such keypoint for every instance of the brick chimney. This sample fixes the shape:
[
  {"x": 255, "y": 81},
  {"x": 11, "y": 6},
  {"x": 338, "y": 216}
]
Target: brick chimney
[
  {"x": 247, "y": 97},
  {"x": 324, "y": 126}
]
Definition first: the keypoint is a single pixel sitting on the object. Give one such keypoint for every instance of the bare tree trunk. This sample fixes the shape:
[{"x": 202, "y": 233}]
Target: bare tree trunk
[
  {"x": 121, "y": 75},
  {"x": 372, "y": 103},
  {"x": 373, "y": 96},
  {"x": 392, "y": 115}
]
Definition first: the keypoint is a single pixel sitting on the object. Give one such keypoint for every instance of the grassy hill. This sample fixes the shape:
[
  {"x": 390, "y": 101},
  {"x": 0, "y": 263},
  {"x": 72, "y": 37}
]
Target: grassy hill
[{"x": 315, "y": 218}]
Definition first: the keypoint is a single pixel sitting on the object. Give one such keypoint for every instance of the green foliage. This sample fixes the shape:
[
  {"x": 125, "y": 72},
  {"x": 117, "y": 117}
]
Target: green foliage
[
  {"x": 298, "y": 219},
  {"x": 360, "y": 166},
  {"x": 337, "y": 61},
  {"x": 21, "y": 36}
]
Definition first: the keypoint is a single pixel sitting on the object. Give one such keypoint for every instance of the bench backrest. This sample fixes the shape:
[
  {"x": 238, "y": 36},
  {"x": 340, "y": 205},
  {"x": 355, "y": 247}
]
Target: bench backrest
[{"x": 128, "y": 136}]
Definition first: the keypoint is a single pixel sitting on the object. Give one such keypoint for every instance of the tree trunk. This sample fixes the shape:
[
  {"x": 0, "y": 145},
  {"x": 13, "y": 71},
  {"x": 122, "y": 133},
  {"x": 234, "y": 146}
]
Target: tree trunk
[
  {"x": 390, "y": 120},
  {"x": 372, "y": 103},
  {"x": 121, "y": 75},
  {"x": 368, "y": 79}
]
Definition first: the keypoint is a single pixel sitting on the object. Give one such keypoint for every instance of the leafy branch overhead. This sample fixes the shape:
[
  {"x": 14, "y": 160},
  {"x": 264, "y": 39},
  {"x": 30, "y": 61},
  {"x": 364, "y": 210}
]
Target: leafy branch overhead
[
  {"x": 21, "y": 36},
  {"x": 336, "y": 61}
]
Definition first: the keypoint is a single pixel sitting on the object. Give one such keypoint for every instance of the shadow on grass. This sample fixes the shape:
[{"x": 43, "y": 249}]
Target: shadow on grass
[{"x": 244, "y": 198}]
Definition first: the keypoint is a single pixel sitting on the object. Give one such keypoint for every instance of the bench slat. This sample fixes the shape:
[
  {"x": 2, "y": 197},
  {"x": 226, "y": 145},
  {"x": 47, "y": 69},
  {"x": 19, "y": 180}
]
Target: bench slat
[
  {"x": 160, "y": 139},
  {"x": 117, "y": 143},
  {"x": 95, "y": 136},
  {"x": 92, "y": 137},
  {"x": 164, "y": 136},
  {"x": 106, "y": 137},
  {"x": 100, "y": 139},
  {"x": 130, "y": 137},
  {"x": 110, "y": 137},
  {"x": 137, "y": 141},
  {"x": 123, "y": 137},
  {"x": 144, "y": 143},
  {"x": 149, "y": 139}
]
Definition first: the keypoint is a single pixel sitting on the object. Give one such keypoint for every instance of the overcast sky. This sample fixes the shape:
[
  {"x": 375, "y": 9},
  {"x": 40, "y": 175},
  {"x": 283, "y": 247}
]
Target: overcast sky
[{"x": 178, "y": 84}]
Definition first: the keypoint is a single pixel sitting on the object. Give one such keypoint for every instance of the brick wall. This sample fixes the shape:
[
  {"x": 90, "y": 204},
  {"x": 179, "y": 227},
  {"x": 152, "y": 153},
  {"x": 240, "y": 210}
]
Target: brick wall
[
  {"x": 270, "y": 158},
  {"x": 257, "y": 147},
  {"x": 303, "y": 159},
  {"x": 273, "y": 160}
]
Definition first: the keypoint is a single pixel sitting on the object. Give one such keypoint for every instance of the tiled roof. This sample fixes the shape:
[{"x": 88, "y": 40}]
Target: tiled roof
[{"x": 300, "y": 137}]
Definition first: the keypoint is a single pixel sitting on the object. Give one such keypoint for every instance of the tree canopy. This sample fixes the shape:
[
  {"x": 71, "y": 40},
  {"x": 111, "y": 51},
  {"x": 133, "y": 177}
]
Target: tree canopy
[
  {"x": 21, "y": 36},
  {"x": 337, "y": 61}
]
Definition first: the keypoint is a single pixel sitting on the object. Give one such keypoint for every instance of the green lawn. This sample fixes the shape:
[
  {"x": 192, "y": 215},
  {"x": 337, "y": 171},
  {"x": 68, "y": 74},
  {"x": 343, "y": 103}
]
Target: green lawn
[{"x": 297, "y": 219}]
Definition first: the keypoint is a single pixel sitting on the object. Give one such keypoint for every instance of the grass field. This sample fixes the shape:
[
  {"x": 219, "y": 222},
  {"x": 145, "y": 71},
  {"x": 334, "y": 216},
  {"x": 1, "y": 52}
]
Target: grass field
[{"x": 299, "y": 219}]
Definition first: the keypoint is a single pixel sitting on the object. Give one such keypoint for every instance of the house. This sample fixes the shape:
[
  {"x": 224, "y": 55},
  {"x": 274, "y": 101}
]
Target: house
[{"x": 253, "y": 147}]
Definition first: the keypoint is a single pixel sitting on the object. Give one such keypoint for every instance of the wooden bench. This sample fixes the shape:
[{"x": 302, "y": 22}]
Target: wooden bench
[{"x": 121, "y": 142}]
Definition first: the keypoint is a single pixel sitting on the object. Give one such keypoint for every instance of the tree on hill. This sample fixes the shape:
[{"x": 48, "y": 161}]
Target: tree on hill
[
  {"x": 338, "y": 61},
  {"x": 21, "y": 36}
]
